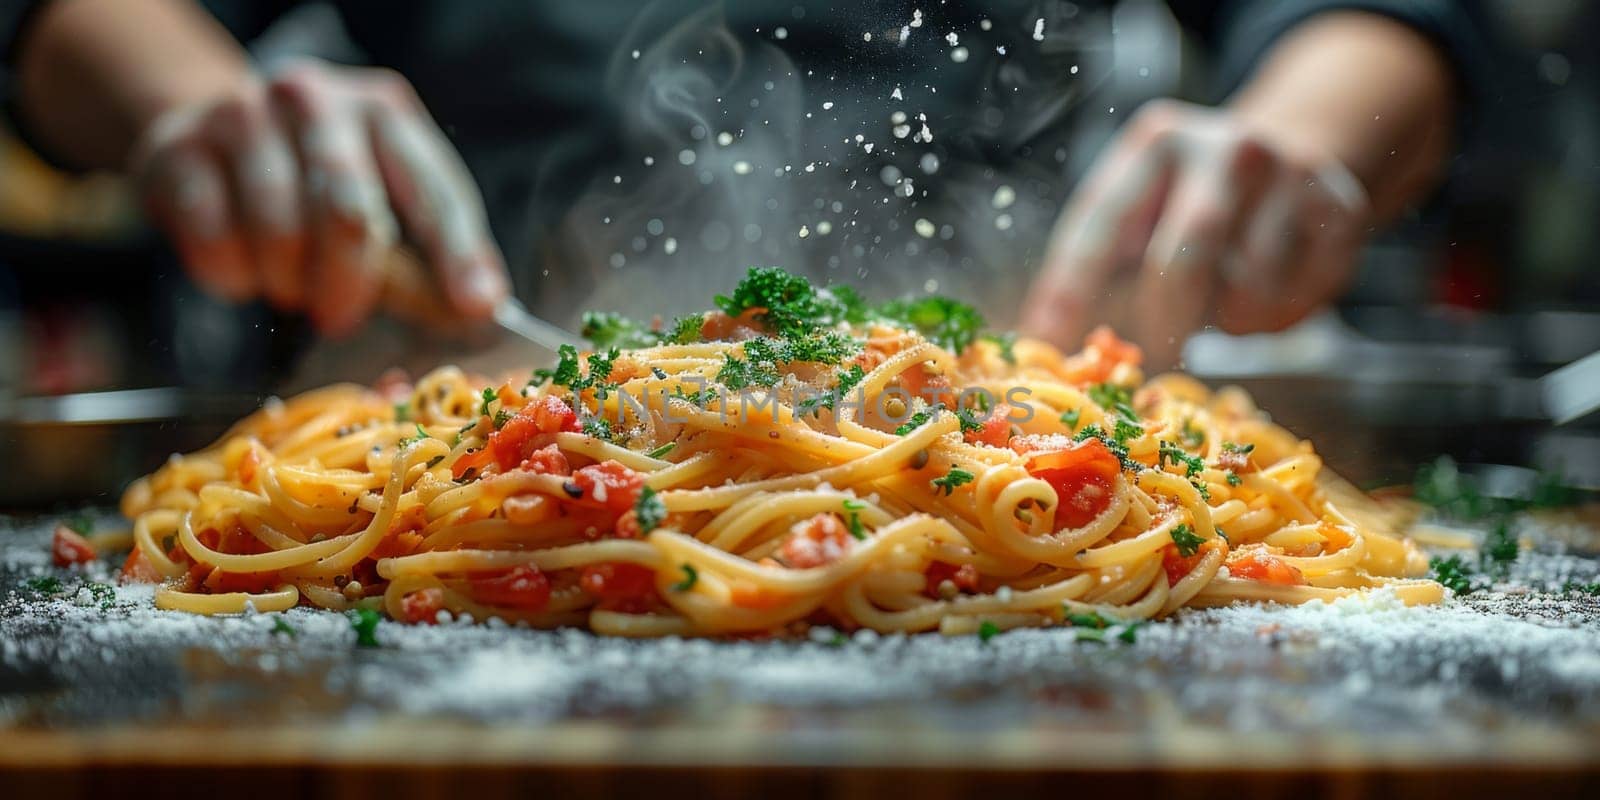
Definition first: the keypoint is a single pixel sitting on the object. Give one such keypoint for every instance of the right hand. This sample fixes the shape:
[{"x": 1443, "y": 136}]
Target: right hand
[{"x": 297, "y": 189}]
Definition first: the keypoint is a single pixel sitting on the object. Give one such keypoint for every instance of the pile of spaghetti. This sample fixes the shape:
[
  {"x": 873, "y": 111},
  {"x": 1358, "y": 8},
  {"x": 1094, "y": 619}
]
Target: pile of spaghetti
[{"x": 796, "y": 457}]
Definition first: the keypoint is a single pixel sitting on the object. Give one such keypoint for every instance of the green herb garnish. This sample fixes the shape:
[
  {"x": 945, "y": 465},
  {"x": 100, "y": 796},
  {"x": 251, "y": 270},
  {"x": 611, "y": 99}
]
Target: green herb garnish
[
  {"x": 1170, "y": 451},
  {"x": 955, "y": 477},
  {"x": 606, "y": 329},
  {"x": 917, "y": 420},
  {"x": 1455, "y": 574},
  {"x": 649, "y": 509},
  {"x": 364, "y": 621},
  {"x": 1187, "y": 541},
  {"x": 1006, "y": 342},
  {"x": 690, "y": 578},
  {"x": 987, "y": 630},
  {"x": 279, "y": 627},
  {"x": 1070, "y": 418},
  {"x": 662, "y": 450},
  {"x": 45, "y": 585}
]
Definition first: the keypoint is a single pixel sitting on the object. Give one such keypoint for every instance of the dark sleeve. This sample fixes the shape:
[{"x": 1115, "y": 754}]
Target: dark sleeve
[{"x": 1243, "y": 31}]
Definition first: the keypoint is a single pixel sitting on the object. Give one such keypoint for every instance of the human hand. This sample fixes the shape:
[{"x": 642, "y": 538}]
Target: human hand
[
  {"x": 296, "y": 189},
  {"x": 1194, "y": 216}
]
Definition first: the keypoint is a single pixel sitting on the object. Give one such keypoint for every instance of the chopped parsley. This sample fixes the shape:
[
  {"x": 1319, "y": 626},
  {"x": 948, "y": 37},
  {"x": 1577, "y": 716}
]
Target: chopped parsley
[
  {"x": 501, "y": 417},
  {"x": 736, "y": 374},
  {"x": 1455, "y": 574},
  {"x": 599, "y": 428},
  {"x": 1233, "y": 479},
  {"x": 1499, "y": 551},
  {"x": 1117, "y": 448},
  {"x": 281, "y": 628},
  {"x": 1092, "y": 627},
  {"x": 649, "y": 509},
  {"x": 1457, "y": 494},
  {"x": 489, "y": 396},
  {"x": 1006, "y": 342},
  {"x": 81, "y": 524},
  {"x": 1125, "y": 430},
  {"x": 103, "y": 593},
  {"x": 606, "y": 329},
  {"x": 1070, "y": 418},
  {"x": 1191, "y": 436},
  {"x": 690, "y": 578},
  {"x": 1114, "y": 398},
  {"x": 955, "y": 477},
  {"x": 1242, "y": 449},
  {"x": 987, "y": 630},
  {"x": 662, "y": 450},
  {"x": 1187, "y": 541},
  {"x": 1577, "y": 587},
  {"x": 402, "y": 412},
  {"x": 1170, "y": 451},
  {"x": 422, "y": 433},
  {"x": 790, "y": 305},
  {"x": 917, "y": 420},
  {"x": 847, "y": 380},
  {"x": 685, "y": 330},
  {"x": 568, "y": 372},
  {"x": 970, "y": 421},
  {"x": 853, "y": 520},
  {"x": 948, "y": 323},
  {"x": 364, "y": 621},
  {"x": 1089, "y": 620},
  {"x": 45, "y": 585},
  {"x": 564, "y": 373}
]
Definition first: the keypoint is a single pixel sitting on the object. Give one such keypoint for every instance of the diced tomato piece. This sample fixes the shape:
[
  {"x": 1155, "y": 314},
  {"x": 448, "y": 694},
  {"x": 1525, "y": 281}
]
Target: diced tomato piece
[
  {"x": 620, "y": 586},
  {"x": 251, "y": 582},
  {"x": 395, "y": 545},
  {"x": 1113, "y": 348},
  {"x": 547, "y": 460},
  {"x": 964, "y": 577},
  {"x": 746, "y": 594},
  {"x": 519, "y": 437},
  {"x": 528, "y": 509},
  {"x": 249, "y": 463},
  {"x": 522, "y": 587},
  {"x": 719, "y": 327},
  {"x": 628, "y": 526},
  {"x": 138, "y": 569},
  {"x": 1177, "y": 566},
  {"x": 422, "y": 607},
  {"x": 1082, "y": 475},
  {"x": 933, "y": 389},
  {"x": 1258, "y": 566},
  {"x": 996, "y": 430},
  {"x": 68, "y": 547},
  {"x": 816, "y": 542},
  {"x": 472, "y": 461},
  {"x": 608, "y": 485}
]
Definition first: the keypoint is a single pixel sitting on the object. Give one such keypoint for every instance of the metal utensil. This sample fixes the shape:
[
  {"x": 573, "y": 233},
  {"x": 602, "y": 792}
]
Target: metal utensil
[
  {"x": 1573, "y": 391},
  {"x": 411, "y": 295}
]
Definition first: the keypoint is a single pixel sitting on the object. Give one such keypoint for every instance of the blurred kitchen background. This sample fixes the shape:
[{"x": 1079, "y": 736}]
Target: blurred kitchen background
[{"x": 1496, "y": 282}]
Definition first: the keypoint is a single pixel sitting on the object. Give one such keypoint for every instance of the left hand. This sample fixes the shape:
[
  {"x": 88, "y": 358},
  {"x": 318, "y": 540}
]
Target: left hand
[{"x": 1192, "y": 217}]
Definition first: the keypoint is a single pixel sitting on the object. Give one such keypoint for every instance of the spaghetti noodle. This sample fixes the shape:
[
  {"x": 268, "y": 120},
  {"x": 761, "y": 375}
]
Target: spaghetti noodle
[{"x": 793, "y": 458}]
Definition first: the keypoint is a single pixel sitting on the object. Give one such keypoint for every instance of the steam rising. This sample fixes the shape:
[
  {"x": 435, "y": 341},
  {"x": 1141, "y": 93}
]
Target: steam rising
[{"x": 878, "y": 152}]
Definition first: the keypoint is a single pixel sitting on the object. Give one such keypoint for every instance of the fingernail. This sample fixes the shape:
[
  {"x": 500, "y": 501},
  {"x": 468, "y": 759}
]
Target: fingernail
[{"x": 485, "y": 285}]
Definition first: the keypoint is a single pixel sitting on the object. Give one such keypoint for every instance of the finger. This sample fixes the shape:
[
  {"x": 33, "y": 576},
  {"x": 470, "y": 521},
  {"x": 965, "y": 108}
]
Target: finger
[
  {"x": 186, "y": 195},
  {"x": 346, "y": 207},
  {"x": 265, "y": 180},
  {"x": 441, "y": 209},
  {"x": 1105, "y": 230},
  {"x": 1298, "y": 253},
  {"x": 1218, "y": 187}
]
